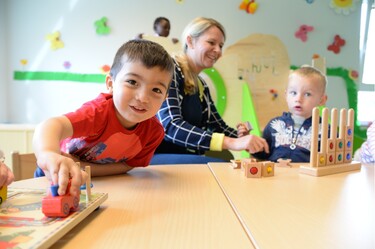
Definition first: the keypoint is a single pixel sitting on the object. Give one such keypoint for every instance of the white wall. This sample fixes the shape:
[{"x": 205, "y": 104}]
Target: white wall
[
  {"x": 4, "y": 83},
  {"x": 25, "y": 23}
]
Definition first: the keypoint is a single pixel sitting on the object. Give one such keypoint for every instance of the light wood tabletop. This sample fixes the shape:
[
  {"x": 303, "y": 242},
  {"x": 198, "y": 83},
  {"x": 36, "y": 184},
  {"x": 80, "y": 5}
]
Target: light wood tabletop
[
  {"x": 157, "y": 207},
  {"x": 292, "y": 210}
]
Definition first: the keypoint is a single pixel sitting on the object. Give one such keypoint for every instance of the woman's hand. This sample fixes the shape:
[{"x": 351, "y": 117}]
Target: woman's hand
[{"x": 250, "y": 143}]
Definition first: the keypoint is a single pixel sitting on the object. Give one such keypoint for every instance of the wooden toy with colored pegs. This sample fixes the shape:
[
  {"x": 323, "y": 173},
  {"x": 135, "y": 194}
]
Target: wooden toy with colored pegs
[{"x": 335, "y": 155}]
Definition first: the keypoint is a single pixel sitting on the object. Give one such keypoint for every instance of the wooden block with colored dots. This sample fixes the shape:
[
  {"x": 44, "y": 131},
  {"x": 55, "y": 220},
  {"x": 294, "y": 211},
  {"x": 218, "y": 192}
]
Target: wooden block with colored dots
[
  {"x": 340, "y": 145},
  {"x": 268, "y": 168},
  {"x": 321, "y": 159},
  {"x": 348, "y": 156},
  {"x": 247, "y": 161},
  {"x": 339, "y": 157},
  {"x": 349, "y": 132},
  {"x": 253, "y": 170},
  {"x": 348, "y": 144},
  {"x": 330, "y": 158},
  {"x": 331, "y": 145}
]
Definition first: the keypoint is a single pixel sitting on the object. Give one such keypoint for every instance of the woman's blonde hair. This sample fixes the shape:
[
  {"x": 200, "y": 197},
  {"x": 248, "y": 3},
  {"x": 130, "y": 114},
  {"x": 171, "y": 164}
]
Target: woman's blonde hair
[{"x": 194, "y": 29}]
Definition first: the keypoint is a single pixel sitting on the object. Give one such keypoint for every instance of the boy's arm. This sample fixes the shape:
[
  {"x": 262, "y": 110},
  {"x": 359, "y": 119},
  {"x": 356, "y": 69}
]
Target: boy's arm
[
  {"x": 102, "y": 169},
  {"x": 58, "y": 168},
  {"x": 108, "y": 169}
]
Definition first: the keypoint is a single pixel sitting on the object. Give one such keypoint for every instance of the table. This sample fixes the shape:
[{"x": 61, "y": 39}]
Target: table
[
  {"x": 157, "y": 207},
  {"x": 292, "y": 210}
]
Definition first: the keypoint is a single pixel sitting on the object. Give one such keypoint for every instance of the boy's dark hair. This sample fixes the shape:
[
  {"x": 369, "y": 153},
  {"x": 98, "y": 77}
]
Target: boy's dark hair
[
  {"x": 149, "y": 53},
  {"x": 158, "y": 20}
]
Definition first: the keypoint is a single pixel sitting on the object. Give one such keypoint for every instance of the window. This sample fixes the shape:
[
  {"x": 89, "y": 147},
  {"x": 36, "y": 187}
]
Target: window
[
  {"x": 368, "y": 48},
  {"x": 366, "y": 93}
]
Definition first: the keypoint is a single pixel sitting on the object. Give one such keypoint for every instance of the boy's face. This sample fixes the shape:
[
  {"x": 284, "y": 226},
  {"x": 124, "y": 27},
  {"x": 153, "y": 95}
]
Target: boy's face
[
  {"x": 303, "y": 94},
  {"x": 163, "y": 28},
  {"x": 138, "y": 92}
]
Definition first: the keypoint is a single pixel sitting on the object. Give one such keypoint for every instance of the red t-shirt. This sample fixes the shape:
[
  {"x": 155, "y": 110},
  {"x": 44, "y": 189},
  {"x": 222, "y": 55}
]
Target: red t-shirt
[{"x": 99, "y": 137}]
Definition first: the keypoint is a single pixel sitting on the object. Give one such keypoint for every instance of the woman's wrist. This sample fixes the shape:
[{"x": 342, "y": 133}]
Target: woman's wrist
[{"x": 217, "y": 142}]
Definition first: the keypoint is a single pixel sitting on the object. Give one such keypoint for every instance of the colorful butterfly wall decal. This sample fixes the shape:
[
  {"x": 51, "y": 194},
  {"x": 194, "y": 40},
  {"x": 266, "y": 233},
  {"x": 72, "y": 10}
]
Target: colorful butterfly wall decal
[
  {"x": 301, "y": 33},
  {"x": 250, "y": 6},
  {"x": 54, "y": 38},
  {"x": 101, "y": 26},
  {"x": 336, "y": 45}
]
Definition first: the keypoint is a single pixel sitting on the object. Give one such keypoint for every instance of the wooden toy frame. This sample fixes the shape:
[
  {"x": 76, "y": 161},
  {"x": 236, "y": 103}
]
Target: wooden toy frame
[{"x": 335, "y": 154}]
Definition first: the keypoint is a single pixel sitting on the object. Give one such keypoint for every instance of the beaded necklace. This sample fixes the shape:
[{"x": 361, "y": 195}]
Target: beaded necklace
[{"x": 298, "y": 121}]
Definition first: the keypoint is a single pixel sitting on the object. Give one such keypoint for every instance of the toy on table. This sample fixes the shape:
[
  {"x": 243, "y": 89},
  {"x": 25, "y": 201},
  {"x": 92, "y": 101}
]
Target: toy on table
[
  {"x": 254, "y": 169},
  {"x": 236, "y": 164},
  {"x": 245, "y": 125},
  {"x": 88, "y": 184},
  {"x": 284, "y": 162},
  {"x": 55, "y": 205},
  {"x": 335, "y": 155}
]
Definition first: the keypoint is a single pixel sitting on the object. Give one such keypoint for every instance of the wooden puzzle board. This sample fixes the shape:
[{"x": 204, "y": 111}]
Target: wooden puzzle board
[{"x": 23, "y": 225}]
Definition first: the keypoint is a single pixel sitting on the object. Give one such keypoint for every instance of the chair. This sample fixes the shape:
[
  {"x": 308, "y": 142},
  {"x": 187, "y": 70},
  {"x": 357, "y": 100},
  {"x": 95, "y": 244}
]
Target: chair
[{"x": 23, "y": 165}]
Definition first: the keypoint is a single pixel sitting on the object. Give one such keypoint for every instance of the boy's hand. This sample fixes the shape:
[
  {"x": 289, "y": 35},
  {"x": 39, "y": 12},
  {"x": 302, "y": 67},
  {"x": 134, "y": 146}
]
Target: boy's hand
[
  {"x": 6, "y": 175},
  {"x": 58, "y": 169},
  {"x": 254, "y": 144},
  {"x": 257, "y": 144}
]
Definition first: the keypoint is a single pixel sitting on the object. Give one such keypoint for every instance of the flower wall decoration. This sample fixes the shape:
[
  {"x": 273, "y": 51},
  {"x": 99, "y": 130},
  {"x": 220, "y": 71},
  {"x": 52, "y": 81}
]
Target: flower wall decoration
[
  {"x": 23, "y": 62},
  {"x": 67, "y": 65},
  {"x": 353, "y": 74},
  {"x": 344, "y": 6},
  {"x": 105, "y": 69}
]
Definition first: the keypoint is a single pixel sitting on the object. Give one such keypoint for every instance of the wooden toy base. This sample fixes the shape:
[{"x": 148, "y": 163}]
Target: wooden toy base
[
  {"x": 23, "y": 225},
  {"x": 329, "y": 170}
]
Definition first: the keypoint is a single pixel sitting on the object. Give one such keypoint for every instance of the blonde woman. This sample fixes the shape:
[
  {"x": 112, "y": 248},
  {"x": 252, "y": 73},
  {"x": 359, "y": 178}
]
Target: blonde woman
[{"x": 191, "y": 122}]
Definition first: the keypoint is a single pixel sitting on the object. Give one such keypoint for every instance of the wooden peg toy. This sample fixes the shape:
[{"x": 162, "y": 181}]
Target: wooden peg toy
[{"x": 336, "y": 153}]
